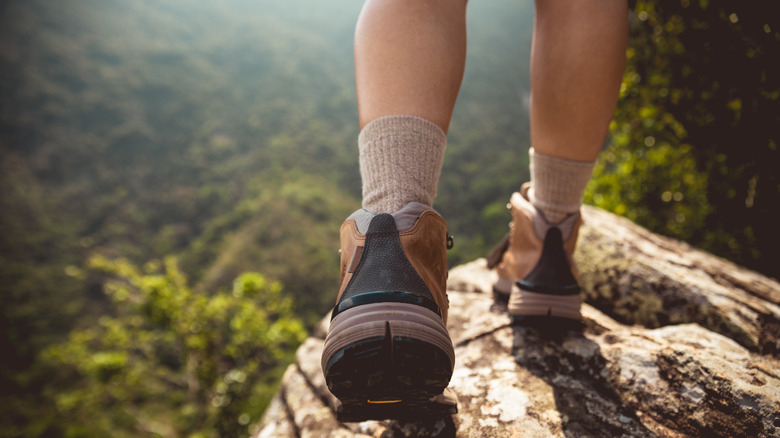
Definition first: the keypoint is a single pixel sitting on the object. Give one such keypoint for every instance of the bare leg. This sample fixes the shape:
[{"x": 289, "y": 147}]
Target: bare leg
[
  {"x": 577, "y": 63},
  {"x": 409, "y": 61},
  {"x": 409, "y": 58}
]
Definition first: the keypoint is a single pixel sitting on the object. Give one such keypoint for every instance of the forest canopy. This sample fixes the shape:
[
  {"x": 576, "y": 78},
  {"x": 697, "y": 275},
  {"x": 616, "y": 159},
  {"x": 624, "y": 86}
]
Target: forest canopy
[{"x": 693, "y": 145}]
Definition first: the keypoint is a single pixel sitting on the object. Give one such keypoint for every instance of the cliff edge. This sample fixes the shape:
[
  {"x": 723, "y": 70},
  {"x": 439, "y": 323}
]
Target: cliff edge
[{"x": 677, "y": 343}]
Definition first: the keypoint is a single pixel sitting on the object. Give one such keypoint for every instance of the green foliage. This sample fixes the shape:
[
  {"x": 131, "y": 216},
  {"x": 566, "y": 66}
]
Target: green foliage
[
  {"x": 287, "y": 226},
  {"x": 658, "y": 187},
  {"x": 40, "y": 300},
  {"x": 172, "y": 362},
  {"x": 694, "y": 140},
  {"x": 133, "y": 129}
]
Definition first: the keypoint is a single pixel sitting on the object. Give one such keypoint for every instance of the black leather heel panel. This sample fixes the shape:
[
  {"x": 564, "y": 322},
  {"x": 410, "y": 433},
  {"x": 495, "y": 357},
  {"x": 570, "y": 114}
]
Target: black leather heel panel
[
  {"x": 384, "y": 273},
  {"x": 552, "y": 275}
]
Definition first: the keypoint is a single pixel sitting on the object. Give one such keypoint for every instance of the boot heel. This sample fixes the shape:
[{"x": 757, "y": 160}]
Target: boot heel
[{"x": 385, "y": 358}]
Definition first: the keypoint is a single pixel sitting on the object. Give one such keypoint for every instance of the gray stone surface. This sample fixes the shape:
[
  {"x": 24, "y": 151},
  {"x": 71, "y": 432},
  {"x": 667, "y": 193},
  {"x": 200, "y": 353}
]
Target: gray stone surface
[
  {"x": 683, "y": 346},
  {"x": 638, "y": 277}
]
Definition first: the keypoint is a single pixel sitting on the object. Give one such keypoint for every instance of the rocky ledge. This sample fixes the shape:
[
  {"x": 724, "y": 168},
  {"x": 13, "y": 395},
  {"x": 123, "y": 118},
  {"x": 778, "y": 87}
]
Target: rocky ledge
[{"x": 676, "y": 343}]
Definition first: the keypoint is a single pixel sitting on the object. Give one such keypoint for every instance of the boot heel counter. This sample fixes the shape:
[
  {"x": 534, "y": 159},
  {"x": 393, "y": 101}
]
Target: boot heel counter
[
  {"x": 553, "y": 273},
  {"x": 384, "y": 273}
]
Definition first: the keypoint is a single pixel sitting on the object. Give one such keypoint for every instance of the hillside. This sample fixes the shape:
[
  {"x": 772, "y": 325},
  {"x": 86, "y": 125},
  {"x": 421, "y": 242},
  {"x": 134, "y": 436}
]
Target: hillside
[{"x": 220, "y": 133}]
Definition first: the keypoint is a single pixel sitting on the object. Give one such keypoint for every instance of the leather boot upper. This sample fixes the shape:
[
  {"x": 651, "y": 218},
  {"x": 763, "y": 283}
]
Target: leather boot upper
[
  {"x": 424, "y": 245},
  {"x": 520, "y": 252}
]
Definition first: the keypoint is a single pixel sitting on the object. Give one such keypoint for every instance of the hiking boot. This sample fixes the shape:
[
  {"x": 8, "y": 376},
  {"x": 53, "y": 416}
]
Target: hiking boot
[
  {"x": 537, "y": 276},
  {"x": 388, "y": 351}
]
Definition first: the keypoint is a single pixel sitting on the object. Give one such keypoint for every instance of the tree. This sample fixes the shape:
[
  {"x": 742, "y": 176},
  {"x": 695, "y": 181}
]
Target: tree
[
  {"x": 694, "y": 140},
  {"x": 173, "y": 362}
]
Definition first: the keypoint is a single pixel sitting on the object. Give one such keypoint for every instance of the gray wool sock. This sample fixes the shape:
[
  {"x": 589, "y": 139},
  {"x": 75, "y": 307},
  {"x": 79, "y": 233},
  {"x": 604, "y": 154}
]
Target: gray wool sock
[
  {"x": 557, "y": 185},
  {"x": 400, "y": 162}
]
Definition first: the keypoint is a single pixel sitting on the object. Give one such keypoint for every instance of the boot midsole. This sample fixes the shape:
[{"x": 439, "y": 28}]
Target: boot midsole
[
  {"x": 370, "y": 321},
  {"x": 523, "y": 302}
]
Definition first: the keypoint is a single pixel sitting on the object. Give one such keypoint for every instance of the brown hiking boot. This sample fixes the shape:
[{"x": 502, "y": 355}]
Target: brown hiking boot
[
  {"x": 537, "y": 275},
  {"x": 388, "y": 351}
]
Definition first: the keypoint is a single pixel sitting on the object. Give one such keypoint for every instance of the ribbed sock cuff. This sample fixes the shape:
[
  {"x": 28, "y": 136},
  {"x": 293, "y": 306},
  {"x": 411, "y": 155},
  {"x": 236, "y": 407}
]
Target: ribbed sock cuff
[
  {"x": 400, "y": 162},
  {"x": 557, "y": 185}
]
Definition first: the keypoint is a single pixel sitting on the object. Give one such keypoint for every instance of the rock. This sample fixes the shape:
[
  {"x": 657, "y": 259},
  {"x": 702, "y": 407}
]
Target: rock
[
  {"x": 638, "y": 277},
  {"x": 276, "y": 421},
  {"x": 684, "y": 347}
]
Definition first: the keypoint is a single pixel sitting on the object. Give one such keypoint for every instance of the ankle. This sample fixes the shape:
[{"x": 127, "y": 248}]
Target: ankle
[
  {"x": 400, "y": 162},
  {"x": 557, "y": 185}
]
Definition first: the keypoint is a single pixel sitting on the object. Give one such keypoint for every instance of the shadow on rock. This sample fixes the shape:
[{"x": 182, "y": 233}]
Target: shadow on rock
[
  {"x": 573, "y": 366},
  {"x": 443, "y": 427}
]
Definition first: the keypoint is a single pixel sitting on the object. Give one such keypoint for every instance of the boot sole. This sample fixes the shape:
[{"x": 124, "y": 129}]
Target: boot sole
[
  {"x": 525, "y": 303},
  {"x": 384, "y": 360}
]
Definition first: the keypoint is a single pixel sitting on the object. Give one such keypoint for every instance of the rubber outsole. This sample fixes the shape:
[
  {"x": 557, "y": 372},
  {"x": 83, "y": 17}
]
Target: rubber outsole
[
  {"x": 386, "y": 360},
  {"x": 502, "y": 289},
  {"x": 501, "y": 297},
  {"x": 445, "y": 404}
]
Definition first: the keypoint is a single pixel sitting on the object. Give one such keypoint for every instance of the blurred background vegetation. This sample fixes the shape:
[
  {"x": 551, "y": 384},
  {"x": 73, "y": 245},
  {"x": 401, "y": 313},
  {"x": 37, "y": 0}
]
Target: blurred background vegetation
[{"x": 173, "y": 176}]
